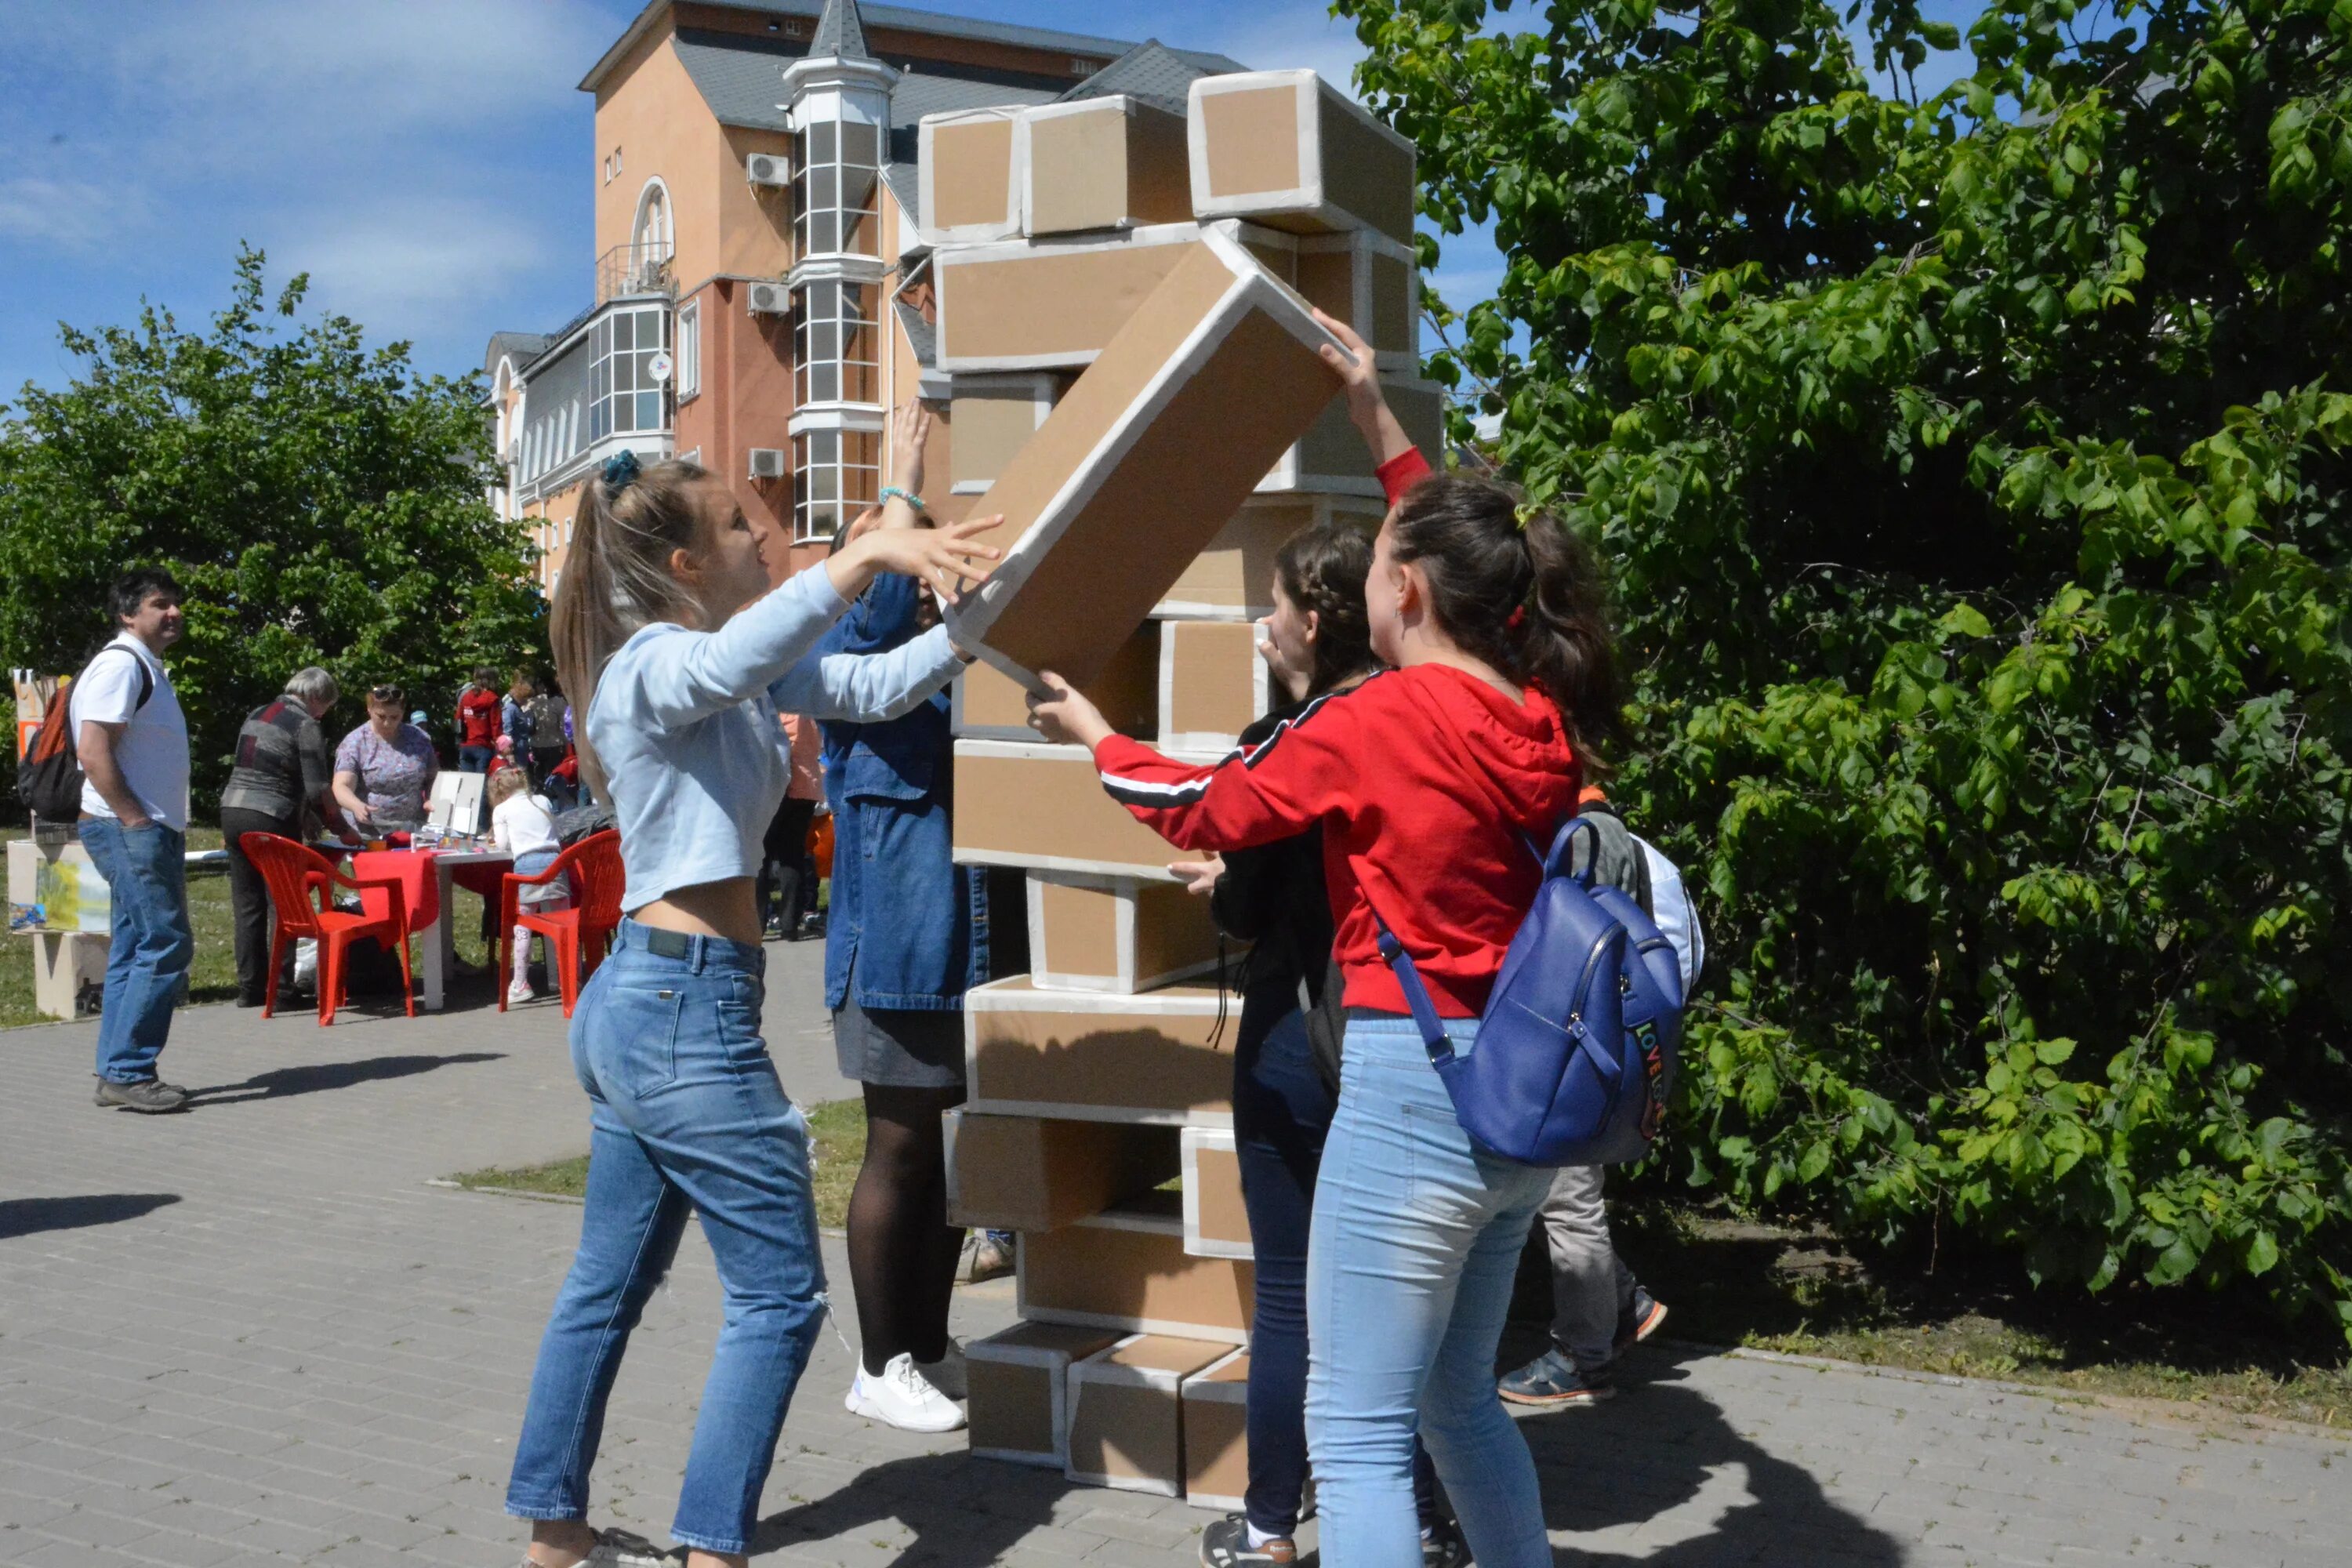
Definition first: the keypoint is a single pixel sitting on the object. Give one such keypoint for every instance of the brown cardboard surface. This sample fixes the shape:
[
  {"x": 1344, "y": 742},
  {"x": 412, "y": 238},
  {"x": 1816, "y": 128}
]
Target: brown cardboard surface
[
  {"x": 1332, "y": 451},
  {"x": 1142, "y": 461},
  {"x": 993, "y": 417},
  {"x": 1116, "y": 933},
  {"x": 1366, "y": 172},
  {"x": 1162, "y": 1054},
  {"x": 1080, "y": 922},
  {"x": 1010, "y": 1406},
  {"x": 1064, "y": 1340},
  {"x": 1216, "y": 1449},
  {"x": 1032, "y": 306},
  {"x": 1104, "y": 164},
  {"x": 1219, "y": 1201},
  {"x": 991, "y": 702},
  {"x": 1328, "y": 278},
  {"x": 1142, "y": 1279},
  {"x": 1253, "y": 140},
  {"x": 1046, "y": 807},
  {"x": 1126, "y": 1437},
  {"x": 971, "y": 173},
  {"x": 1396, "y": 304},
  {"x": 1236, "y": 573},
  {"x": 1286, "y": 150},
  {"x": 1211, "y": 681},
  {"x": 1162, "y": 1353},
  {"x": 1023, "y": 1173},
  {"x": 1174, "y": 933}
]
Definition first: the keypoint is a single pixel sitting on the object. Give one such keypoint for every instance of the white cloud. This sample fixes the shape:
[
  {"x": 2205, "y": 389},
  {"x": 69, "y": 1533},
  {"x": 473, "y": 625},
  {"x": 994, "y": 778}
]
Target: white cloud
[
  {"x": 404, "y": 262},
  {"x": 66, "y": 214}
]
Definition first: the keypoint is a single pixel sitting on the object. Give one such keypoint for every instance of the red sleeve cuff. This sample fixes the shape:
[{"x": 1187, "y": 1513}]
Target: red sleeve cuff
[{"x": 1402, "y": 472}]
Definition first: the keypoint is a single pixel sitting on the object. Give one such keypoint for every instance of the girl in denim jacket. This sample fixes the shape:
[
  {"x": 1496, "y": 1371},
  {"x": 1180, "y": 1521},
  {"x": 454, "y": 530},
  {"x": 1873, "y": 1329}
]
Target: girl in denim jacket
[{"x": 680, "y": 658}]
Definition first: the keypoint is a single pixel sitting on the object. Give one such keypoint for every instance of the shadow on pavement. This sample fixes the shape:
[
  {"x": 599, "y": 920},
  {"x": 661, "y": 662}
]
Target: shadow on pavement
[
  {"x": 280, "y": 1082},
  {"x": 964, "y": 1513},
  {"x": 29, "y": 1216}
]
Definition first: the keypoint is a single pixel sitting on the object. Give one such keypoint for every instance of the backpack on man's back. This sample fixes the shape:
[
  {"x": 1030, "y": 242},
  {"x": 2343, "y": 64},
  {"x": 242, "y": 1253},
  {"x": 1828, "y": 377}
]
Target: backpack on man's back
[{"x": 50, "y": 776}]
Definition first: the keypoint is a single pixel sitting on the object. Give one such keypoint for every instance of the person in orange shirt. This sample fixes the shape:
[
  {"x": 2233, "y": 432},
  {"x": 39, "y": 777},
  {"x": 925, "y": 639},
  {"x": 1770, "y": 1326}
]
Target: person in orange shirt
[{"x": 788, "y": 882}]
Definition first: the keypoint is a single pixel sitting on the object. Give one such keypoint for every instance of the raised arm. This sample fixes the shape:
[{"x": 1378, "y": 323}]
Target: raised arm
[
  {"x": 868, "y": 687},
  {"x": 1361, "y": 382}
]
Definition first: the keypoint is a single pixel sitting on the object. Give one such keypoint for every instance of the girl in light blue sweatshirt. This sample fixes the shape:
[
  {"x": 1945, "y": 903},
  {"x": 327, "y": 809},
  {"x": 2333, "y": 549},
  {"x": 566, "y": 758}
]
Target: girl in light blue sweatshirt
[{"x": 679, "y": 657}]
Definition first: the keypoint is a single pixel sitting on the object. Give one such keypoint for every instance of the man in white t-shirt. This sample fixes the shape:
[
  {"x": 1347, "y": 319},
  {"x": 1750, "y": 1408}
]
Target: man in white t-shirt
[{"x": 133, "y": 741}]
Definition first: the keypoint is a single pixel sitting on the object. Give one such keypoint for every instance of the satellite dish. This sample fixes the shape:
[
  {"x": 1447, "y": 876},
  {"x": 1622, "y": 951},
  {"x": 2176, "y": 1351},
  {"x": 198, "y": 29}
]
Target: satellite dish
[{"x": 658, "y": 367}]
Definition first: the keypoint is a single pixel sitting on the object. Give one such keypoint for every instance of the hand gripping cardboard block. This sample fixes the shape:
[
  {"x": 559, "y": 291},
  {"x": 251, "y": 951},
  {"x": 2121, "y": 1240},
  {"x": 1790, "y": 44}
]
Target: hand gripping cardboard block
[
  {"x": 1126, "y": 1268},
  {"x": 1127, "y": 1422},
  {"x": 1233, "y": 579},
  {"x": 989, "y": 705},
  {"x": 991, "y": 417},
  {"x": 1043, "y": 807},
  {"x": 968, "y": 182},
  {"x": 1117, "y": 935},
  {"x": 1162, "y": 1058},
  {"x": 1216, "y": 1434},
  {"x": 1362, "y": 278},
  {"x": 1025, "y": 1173},
  {"x": 1214, "y": 684},
  {"x": 1331, "y": 458},
  {"x": 1049, "y": 304},
  {"x": 1101, "y": 163},
  {"x": 1143, "y": 460},
  {"x": 1216, "y": 1223},
  {"x": 1019, "y": 1379},
  {"x": 1286, "y": 150}
]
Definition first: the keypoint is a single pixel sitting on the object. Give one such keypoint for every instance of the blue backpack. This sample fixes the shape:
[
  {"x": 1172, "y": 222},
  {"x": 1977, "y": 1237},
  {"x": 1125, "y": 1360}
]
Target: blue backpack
[{"x": 1574, "y": 1057}]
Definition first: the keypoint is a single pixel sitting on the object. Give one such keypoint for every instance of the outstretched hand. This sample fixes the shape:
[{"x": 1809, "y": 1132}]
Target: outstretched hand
[
  {"x": 1064, "y": 716},
  {"x": 910, "y": 433},
  {"x": 950, "y": 559},
  {"x": 1199, "y": 876},
  {"x": 1360, "y": 377}
]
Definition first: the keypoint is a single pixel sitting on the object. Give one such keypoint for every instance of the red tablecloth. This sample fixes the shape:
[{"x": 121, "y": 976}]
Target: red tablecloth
[{"x": 412, "y": 869}]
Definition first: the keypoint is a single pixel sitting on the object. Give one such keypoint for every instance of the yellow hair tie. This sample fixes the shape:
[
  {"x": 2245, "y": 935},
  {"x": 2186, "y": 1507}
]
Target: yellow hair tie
[{"x": 1527, "y": 511}]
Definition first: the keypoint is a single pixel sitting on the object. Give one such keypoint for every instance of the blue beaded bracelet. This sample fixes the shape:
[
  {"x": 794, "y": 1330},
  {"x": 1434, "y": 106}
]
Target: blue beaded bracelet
[{"x": 909, "y": 497}]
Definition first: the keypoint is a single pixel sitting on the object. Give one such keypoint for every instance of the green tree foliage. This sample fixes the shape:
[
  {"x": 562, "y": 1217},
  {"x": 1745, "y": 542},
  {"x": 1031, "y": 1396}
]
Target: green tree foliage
[
  {"x": 1974, "y": 466},
  {"x": 320, "y": 501}
]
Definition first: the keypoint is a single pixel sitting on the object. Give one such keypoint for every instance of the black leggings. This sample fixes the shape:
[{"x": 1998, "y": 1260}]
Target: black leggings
[
  {"x": 902, "y": 1251},
  {"x": 252, "y": 927}
]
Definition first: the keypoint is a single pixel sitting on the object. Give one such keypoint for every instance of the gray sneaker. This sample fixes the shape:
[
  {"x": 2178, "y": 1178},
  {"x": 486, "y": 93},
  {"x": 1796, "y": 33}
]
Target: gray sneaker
[{"x": 148, "y": 1095}]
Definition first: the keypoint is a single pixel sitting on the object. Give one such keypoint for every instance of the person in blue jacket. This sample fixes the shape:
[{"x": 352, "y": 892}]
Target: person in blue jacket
[{"x": 906, "y": 936}]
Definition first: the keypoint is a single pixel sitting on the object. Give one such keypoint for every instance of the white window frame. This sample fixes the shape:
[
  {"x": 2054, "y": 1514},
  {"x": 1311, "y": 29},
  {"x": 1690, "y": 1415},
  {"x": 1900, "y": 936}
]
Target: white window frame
[{"x": 689, "y": 350}]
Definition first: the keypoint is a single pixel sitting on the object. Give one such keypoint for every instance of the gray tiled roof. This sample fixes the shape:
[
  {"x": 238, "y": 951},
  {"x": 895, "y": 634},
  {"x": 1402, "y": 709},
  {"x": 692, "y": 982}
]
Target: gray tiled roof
[
  {"x": 921, "y": 92},
  {"x": 746, "y": 87},
  {"x": 1150, "y": 71},
  {"x": 839, "y": 33},
  {"x": 907, "y": 186},
  {"x": 922, "y": 336},
  {"x": 521, "y": 347}
]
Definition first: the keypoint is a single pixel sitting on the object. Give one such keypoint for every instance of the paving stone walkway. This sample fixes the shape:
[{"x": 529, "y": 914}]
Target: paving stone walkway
[{"x": 254, "y": 1334}]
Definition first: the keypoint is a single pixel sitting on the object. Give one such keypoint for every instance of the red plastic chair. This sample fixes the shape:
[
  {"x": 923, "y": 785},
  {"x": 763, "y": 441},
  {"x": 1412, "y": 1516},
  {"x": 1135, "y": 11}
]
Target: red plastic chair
[
  {"x": 298, "y": 878},
  {"x": 576, "y": 936}
]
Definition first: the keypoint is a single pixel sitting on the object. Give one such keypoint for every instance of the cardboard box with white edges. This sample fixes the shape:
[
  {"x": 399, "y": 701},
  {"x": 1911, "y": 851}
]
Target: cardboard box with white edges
[
  {"x": 969, "y": 186},
  {"x": 1331, "y": 458},
  {"x": 1163, "y": 1057},
  {"x": 1126, "y": 1268},
  {"x": 1043, "y": 807},
  {"x": 1233, "y": 579},
  {"x": 1216, "y": 1434},
  {"x": 1200, "y": 393},
  {"x": 1362, "y": 278},
  {"x": 991, "y": 417},
  {"x": 989, "y": 705},
  {"x": 1101, "y": 163},
  {"x": 1117, "y": 935},
  {"x": 1049, "y": 304},
  {"x": 1214, "y": 684},
  {"x": 1216, "y": 1222},
  {"x": 1126, "y": 1418},
  {"x": 1026, "y": 1172},
  {"x": 1019, "y": 1409},
  {"x": 1286, "y": 150}
]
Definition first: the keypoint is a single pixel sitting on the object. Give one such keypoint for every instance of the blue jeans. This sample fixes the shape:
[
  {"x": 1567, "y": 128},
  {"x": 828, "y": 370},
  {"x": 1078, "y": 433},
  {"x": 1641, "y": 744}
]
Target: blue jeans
[
  {"x": 146, "y": 873},
  {"x": 1416, "y": 1240},
  {"x": 685, "y": 1112}
]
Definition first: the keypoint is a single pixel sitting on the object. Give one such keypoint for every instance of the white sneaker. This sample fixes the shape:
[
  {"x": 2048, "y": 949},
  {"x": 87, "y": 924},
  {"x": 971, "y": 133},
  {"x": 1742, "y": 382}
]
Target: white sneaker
[
  {"x": 520, "y": 992},
  {"x": 947, "y": 1374},
  {"x": 902, "y": 1397}
]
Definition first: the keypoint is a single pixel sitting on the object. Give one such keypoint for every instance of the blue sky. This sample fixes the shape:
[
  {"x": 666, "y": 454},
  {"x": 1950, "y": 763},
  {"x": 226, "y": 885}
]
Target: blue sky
[{"x": 427, "y": 161}]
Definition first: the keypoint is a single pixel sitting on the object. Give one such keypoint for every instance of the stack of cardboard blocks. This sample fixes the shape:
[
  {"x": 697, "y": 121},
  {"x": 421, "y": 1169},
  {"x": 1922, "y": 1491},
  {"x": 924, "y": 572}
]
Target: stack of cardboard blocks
[{"x": 1123, "y": 304}]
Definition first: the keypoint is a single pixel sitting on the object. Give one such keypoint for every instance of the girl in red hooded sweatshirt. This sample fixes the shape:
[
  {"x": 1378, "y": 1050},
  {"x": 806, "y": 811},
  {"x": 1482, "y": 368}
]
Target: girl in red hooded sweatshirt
[{"x": 1433, "y": 782}]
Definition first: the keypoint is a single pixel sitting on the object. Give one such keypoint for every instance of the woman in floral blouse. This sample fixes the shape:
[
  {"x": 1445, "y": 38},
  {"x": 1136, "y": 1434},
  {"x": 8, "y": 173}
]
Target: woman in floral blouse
[{"x": 384, "y": 768}]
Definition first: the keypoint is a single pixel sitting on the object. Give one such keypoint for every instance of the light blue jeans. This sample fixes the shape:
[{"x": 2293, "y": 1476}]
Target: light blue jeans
[
  {"x": 685, "y": 1112},
  {"x": 146, "y": 872},
  {"x": 1415, "y": 1242}
]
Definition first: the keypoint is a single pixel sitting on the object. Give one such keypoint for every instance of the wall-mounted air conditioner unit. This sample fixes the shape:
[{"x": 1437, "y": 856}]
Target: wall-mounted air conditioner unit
[
  {"x": 768, "y": 463},
  {"x": 771, "y": 299},
  {"x": 768, "y": 169}
]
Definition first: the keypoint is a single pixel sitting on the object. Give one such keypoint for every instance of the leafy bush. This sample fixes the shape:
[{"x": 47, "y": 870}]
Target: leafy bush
[{"x": 1975, "y": 468}]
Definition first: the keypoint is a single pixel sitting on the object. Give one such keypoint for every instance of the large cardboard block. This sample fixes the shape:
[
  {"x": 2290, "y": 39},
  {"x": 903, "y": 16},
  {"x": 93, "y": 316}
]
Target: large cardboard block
[
  {"x": 1216, "y": 1223},
  {"x": 1212, "y": 684},
  {"x": 990, "y": 705},
  {"x": 969, "y": 187},
  {"x": 1117, "y": 935},
  {"x": 1127, "y": 1423},
  {"x": 1042, "y": 807},
  {"x": 1019, "y": 1379},
  {"x": 1023, "y": 1173},
  {"x": 1050, "y": 304},
  {"x": 1165, "y": 1056},
  {"x": 1130, "y": 1270},
  {"x": 1331, "y": 459},
  {"x": 1144, "y": 459},
  {"x": 1102, "y": 162},
  {"x": 993, "y": 416},
  {"x": 1370, "y": 282},
  {"x": 1216, "y": 1434},
  {"x": 1233, "y": 579},
  {"x": 1286, "y": 150}
]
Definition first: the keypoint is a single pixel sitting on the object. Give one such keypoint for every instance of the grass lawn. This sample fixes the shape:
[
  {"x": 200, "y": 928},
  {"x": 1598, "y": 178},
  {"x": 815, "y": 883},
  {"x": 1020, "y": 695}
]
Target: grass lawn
[
  {"x": 214, "y": 976},
  {"x": 836, "y": 1145}
]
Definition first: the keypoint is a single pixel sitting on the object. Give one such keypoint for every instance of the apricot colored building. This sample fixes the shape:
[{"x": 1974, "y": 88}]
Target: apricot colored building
[{"x": 763, "y": 294}]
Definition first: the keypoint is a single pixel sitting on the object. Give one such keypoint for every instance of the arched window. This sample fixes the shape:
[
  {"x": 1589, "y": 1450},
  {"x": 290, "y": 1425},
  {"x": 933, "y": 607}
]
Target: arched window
[{"x": 653, "y": 235}]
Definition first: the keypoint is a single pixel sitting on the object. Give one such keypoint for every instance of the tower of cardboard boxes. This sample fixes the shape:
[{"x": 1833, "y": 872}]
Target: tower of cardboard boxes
[{"x": 1122, "y": 305}]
